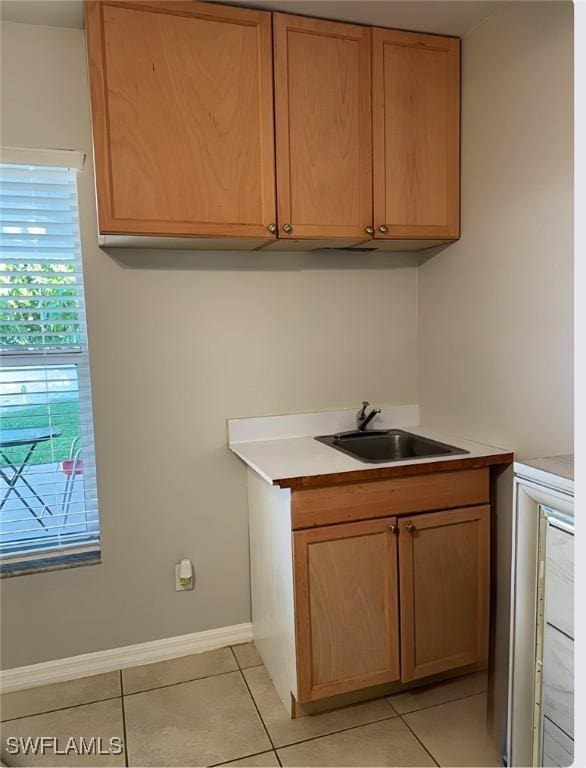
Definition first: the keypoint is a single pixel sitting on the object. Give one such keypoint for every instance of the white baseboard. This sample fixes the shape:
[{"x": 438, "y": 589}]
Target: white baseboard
[{"x": 86, "y": 664}]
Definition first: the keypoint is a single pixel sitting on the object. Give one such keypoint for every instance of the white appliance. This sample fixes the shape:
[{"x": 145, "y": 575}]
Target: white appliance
[{"x": 541, "y": 680}]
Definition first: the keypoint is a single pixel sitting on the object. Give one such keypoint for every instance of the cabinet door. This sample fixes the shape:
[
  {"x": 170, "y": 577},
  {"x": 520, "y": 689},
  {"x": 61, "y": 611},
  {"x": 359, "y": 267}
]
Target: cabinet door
[
  {"x": 182, "y": 113},
  {"x": 346, "y": 607},
  {"x": 323, "y": 128},
  {"x": 416, "y": 119},
  {"x": 444, "y": 590}
]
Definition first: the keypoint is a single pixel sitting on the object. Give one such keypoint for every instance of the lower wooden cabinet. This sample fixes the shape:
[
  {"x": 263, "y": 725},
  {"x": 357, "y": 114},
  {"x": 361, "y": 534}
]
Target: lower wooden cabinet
[
  {"x": 346, "y": 607},
  {"x": 444, "y": 587},
  {"x": 351, "y": 578}
]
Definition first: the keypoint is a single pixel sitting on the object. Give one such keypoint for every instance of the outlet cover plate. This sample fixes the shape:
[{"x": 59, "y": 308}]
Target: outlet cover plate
[{"x": 181, "y": 587}]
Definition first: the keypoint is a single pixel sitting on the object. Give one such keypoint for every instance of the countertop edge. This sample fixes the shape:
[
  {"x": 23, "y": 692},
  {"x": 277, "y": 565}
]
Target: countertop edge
[{"x": 383, "y": 473}]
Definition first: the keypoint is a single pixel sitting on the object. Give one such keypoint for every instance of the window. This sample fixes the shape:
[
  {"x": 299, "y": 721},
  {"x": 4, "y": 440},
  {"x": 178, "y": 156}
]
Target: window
[{"x": 48, "y": 502}]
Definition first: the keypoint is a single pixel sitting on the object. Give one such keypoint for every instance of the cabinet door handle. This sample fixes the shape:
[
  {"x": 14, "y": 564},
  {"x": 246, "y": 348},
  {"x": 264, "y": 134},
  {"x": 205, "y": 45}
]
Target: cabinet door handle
[
  {"x": 383, "y": 228},
  {"x": 394, "y": 528},
  {"x": 369, "y": 230},
  {"x": 411, "y": 528},
  {"x": 287, "y": 228},
  {"x": 272, "y": 227}
]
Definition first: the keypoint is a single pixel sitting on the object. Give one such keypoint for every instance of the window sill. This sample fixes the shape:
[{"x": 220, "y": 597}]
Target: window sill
[{"x": 46, "y": 564}]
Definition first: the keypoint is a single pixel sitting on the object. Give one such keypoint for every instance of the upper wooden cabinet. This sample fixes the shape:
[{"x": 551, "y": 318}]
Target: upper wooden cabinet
[
  {"x": 416, "y": 122},
  {"x": 366, "y": 149},
  {"x": 323, "y": 128},
  {"x": 182, "y": 109}
]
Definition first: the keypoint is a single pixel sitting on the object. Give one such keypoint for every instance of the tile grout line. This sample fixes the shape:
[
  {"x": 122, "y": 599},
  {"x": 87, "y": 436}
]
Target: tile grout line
[
  {"x": 59, "y": 709},
  {"x": 239, "y": 668},
  {"x": 418, "y": 739},
  {"x": 218, "y": 674},
  {"x": 236, "y": 759},
  {"x": 180, "y": 682},
  {"x": 394, "y": 714},
  {"x": 123, "y": 719},
  {"x": 206, "y": 677},
  {"x": 440, "y": 704},
  {"x": 111, "y": 698},
  {"x": 256, "y": 707},
  {"x": 341, "y": 730}
]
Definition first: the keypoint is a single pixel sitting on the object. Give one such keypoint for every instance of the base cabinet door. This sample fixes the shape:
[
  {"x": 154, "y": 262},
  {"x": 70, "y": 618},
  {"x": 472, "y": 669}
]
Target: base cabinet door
[
  {"x": 444, "y": 590},
  {"x": 346, "y": 607}
]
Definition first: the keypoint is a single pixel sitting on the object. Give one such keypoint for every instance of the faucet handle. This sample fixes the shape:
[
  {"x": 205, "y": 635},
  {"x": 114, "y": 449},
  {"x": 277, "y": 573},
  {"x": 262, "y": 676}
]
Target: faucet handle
[
  {"x": 362, "y": 411},
  {"x": 363, "y": 419}
]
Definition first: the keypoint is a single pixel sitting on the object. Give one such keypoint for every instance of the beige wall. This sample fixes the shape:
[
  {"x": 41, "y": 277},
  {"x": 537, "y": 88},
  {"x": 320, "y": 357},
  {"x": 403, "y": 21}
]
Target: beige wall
[
  {"x": 181, "y": 341},
  {"x": 495, "y": 315},
  {"x": 178, "y": 343}
]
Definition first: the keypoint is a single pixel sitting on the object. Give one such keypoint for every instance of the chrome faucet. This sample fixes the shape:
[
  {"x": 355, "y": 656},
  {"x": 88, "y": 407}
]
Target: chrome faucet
[{"x": 363, "y": 419}]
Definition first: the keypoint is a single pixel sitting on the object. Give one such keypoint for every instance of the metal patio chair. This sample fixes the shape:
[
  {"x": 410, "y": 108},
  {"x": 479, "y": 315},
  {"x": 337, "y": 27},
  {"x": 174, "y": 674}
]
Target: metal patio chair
[{"x": 71, "y": 468}]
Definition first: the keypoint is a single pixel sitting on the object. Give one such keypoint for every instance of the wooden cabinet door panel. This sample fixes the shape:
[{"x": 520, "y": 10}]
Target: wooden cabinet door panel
[
  {"x": 416, "y": 144},
  {"x": 182, "y": 112},
  {"x": 323, "y": 127},
  {"x": 346, "y": 607},
  {"x": 444, "y": 590}
]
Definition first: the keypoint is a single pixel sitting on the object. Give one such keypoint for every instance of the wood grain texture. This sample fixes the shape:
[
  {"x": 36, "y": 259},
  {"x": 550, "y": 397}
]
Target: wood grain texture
[
  {"x": 558, "y": 679},
  {"x": 323, "y": 127},
  {"x": 416, "y": 134},
  {"x": 444, "y": 590},
  {"x": 383, "y": 473},
  {"x": 403, "y": 495},
  {"x": 559, "y": 580},
  {"x": 182, "y": 113},
  {"x": 346, "y": 608}
]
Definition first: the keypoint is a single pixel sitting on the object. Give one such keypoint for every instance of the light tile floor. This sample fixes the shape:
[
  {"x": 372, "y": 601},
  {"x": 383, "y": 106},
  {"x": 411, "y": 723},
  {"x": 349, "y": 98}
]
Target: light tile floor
[{"x": 220, "y": 708}]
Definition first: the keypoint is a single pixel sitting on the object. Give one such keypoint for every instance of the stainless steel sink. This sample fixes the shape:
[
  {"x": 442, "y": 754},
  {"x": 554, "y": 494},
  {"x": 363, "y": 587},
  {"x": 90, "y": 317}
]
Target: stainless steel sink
[{"x": 387, "y": 445}]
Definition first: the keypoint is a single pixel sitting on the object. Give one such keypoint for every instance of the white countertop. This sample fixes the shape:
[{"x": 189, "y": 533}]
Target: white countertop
[{"x": 280, "y": 458}]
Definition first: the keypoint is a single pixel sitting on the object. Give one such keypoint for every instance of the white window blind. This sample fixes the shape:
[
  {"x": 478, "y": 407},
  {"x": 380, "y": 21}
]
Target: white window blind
[{"x": 48, "y": 501}]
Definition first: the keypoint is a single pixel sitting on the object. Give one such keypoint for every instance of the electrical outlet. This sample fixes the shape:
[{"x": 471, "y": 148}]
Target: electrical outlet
[{"x": 179, "y": 587}]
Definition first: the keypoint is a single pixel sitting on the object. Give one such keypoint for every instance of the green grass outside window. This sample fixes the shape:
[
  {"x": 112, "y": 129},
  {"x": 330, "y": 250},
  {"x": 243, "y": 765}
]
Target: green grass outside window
[{"x": 61, "y": 416}]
